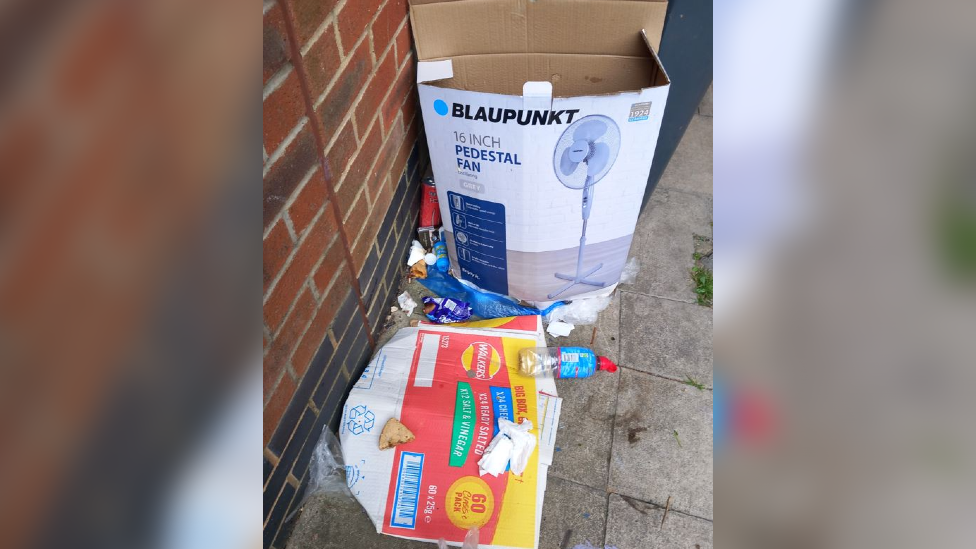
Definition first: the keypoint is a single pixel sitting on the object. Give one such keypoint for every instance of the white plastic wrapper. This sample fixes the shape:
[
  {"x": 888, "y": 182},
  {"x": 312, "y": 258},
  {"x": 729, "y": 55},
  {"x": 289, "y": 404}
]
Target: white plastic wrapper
[
  {"x": 631, "y": 269},
  {"x": 580, "y": 311}
]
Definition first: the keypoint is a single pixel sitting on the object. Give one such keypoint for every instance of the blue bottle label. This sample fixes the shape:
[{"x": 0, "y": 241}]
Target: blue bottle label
[{"x": 576, "y": 362}]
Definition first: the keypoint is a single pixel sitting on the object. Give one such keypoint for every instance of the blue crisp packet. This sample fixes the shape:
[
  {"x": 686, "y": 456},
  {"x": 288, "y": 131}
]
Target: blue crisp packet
[{"x": 445, "y": 310}]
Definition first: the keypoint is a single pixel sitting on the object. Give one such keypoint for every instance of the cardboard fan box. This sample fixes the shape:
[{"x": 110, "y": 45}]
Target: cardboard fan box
[{"x": 541, "y": 119}]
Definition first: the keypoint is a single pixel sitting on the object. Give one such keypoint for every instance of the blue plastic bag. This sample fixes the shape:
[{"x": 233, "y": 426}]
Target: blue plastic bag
[{"x": 484, "y": 304}]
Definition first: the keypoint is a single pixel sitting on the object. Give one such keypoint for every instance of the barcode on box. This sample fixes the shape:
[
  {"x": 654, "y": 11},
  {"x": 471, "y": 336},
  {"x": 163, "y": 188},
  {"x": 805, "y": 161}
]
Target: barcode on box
[{"x": 407, "y": 490}]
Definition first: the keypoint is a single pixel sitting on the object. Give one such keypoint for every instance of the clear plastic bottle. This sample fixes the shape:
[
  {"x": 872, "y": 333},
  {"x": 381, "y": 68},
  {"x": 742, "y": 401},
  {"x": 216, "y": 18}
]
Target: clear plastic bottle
[{"x": 563, "y": 362}]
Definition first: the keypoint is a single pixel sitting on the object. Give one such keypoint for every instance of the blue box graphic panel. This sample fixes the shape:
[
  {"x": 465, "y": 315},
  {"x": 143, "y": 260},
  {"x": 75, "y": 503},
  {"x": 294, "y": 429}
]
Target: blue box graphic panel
[{"x": 479, "y": 239}]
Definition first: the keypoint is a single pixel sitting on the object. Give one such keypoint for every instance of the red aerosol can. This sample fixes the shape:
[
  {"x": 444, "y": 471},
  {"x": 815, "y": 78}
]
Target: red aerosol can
[{"x": 430, "y": 212}]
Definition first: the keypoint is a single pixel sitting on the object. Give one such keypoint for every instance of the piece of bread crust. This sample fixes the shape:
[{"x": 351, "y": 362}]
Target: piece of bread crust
[{"x": 394, "y": 434}]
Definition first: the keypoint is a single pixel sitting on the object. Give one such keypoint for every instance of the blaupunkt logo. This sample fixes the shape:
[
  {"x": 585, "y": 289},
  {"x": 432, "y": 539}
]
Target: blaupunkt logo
[{"x": 440, "y": 107}]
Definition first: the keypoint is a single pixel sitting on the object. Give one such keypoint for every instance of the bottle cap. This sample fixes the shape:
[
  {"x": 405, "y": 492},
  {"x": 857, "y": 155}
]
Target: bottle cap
[{"x": 604, "y": 363}]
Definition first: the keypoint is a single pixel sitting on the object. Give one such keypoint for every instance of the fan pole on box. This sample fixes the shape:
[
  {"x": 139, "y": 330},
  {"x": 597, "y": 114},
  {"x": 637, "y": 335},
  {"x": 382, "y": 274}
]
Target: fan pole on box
[{"x": 583, "y": 156}]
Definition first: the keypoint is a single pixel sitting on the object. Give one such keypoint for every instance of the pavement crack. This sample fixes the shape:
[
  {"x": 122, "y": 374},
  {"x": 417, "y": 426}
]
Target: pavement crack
[
  {"x": 642, "y": 294},
  {"x": 681, "y": 381},
  {"x": 633, "y": 504},
  {"x": 650, "y": 504}
]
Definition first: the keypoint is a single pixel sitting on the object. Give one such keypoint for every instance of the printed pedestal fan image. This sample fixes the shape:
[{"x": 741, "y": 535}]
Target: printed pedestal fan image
[{"x": 584, "y": 154}]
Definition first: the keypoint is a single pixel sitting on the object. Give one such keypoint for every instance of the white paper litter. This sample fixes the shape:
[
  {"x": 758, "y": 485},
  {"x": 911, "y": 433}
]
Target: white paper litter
[
  {"x": 407, "y": 303},
  {"x": 417, "y": 253},
  {"x": 560, "y": 328},
  {"x": 497, "y": 456},
  {"x": 513, "y": 445}
]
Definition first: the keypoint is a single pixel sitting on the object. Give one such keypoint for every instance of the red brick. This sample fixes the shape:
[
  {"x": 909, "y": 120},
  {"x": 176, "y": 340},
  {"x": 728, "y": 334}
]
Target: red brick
[
  {"x": 404, "y": 90},
  {"x": 271, "y": 372},
  {"x": 406, "y": 145},
  {"x": 287, "y": 339},
  {"x": 386, "y": 25},
  {"x": 409, "y": 110},
  {"x": 25, "y": 147},
  {"x": 298, "y": 271},
  {"x": 377, "y": 213},
  {"x": 308, "y": 202},
  {"x": 322, "y": 62},
  {"x": 320, "y": 324},
  {"x": 377, "y": 184},
  {"x": 284, "y": 343},
  {"x": 282, "y": 111},
  {"x": 340, "y": 153},
  {"x": 277, "y": 405},
  {"x": 360, "y": 251},
  {"x": 277, "y": 247},
  {"x": 276, "y": 50},
  {"x": 97, "y": 51},
  {"x": 356, "y": 219},
  {"x": 387, "y": 154},
  {"x": 341, "y": 97},
  {"x": 382, "y": 203},
  {"x": 368, "y": 235},
  {"x": 333, "y": 261},
  {"x": 354, "y": 18},
  {"x": 309, "y": 15},
  {"x": 359, "y": 172},
  {"x": 288, "y": 172},
  {"x": 376, "y": 90},
  {"x": 403, "y": 44}
]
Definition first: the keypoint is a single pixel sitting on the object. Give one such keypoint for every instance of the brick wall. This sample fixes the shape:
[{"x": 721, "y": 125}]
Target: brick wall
[
  {"x": 344, "y": 153},
  {"x": 114, "y": 155}
]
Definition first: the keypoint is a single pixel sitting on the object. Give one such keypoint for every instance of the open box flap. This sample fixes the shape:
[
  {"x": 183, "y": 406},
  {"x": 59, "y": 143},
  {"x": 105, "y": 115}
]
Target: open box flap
[
  {"x": 569, "y": 75},
  {"x": 451, "y": 28}
]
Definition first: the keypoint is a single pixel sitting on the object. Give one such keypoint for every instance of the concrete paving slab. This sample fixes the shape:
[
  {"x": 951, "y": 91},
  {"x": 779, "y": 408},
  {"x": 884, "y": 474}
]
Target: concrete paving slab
[
  {"x": 690, "y": 168},
  {"x": 633, "y": 524},
  {"x": 667, "y": 338},
  {"x": 330, "y": 523},
  {"x": 572, "y": 515},
  {"x": 647, "y": 461},
  {"x": 705, "y": 107},
  {"x": 664, "y": 243},
  {"x": 395, "y": 320},
  {"x": 585, "y": 429}
]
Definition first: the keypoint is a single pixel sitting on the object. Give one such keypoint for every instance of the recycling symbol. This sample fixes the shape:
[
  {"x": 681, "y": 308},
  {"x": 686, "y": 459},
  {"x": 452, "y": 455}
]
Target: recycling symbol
[{"x": 361, "y": 420}]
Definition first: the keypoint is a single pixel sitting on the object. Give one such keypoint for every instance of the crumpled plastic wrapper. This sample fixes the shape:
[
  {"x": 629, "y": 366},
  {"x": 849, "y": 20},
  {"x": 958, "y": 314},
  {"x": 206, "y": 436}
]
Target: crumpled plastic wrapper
[
  {"x": 629, "y": 274},
  {"x": 580, "y": 311}
]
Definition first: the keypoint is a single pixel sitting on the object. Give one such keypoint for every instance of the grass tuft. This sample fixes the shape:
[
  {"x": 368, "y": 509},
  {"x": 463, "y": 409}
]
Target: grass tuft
[
  {"x": 703, "y": 285},
  {"x": 694, "y": 383}
]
